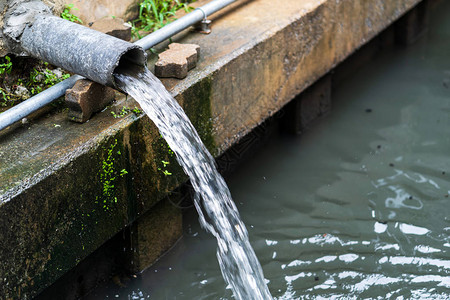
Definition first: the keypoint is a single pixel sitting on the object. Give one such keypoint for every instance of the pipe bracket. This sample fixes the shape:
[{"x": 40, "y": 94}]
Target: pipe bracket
[{"x": 204, "y": 26}]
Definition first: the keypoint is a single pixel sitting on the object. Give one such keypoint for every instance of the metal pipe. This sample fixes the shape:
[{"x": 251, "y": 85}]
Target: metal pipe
[
  {"x": 179, "y": 25},
  {"x": 34, "y": 103},
  {"x": 16, "y": 113}
]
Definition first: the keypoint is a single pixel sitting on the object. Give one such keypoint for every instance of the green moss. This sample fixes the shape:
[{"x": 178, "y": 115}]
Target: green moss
[
  {"x": 168, "y": 170},
  {"x": 110, "y": 173},
  {"x": 197, "y": 105},
  {"x": 166, "y": 155},
  {"x": 153, "y": 165},
  {"x": 58, "y": 222},
  {"x": 108, "y": 176},
  {"x": 148, "y": 150},
  {"x": 125, "y": 110}
]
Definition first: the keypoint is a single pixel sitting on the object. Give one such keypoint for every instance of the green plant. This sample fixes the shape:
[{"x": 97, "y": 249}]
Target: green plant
[
  {"x": 5, "y": 68},
  {"x": 66, "y": 15},
  {"x": 163, "y": 169},
  {"x": 124, "y": 111},
  {"x": 137, "y": 111},
  {"x": 170, "y": 155},
  {"x": 43, "y": 78},
  {"x": 21, "y": 78},
  {"x": 123, "y": 172},
  {"x": 5, "y": 65},
  {"x": 154, "y": 14}
]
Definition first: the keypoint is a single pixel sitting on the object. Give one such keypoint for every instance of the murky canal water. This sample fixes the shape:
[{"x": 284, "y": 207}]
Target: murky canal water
[{"x": 357, "y": 207}]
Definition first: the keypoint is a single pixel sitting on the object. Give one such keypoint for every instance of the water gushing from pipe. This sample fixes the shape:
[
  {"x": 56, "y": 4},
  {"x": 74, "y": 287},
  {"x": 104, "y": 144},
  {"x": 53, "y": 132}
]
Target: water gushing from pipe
[{"x": 218, "y": 213}]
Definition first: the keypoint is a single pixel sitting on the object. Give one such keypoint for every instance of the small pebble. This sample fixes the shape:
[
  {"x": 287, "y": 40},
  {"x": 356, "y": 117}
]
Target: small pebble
[
  {"x": 39, "y": 77},
  {"x": 22, "y": 92},
  {"x": 58, "y": 73}
]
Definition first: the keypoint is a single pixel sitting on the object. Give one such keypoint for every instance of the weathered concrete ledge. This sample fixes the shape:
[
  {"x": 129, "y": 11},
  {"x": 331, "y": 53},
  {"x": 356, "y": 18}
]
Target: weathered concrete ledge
[{"x": 66, "y": 188}]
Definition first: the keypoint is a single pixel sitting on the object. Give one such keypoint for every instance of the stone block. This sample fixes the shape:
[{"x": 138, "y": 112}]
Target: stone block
[
  {"x": 113, "y": 26},
  {"x": 413, "y": 25},
  {"x": 177, "y": 60},
  {"x": 92, "y": 10},
  {"x": 314, "y": 102},
  {"x": 153, "y": 234},
  {"x": 87, "y": 97}
]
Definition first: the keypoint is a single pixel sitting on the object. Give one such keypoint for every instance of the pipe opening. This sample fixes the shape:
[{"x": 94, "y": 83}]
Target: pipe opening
[
  {"x": 76, "y": 48},
  {"x": 134, "y": 60},
  {"x": 132, "y": 57}
]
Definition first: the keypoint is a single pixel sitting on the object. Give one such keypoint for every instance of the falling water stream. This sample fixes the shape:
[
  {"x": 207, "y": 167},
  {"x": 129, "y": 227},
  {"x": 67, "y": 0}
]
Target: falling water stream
[{"x": 218, "y": 213}]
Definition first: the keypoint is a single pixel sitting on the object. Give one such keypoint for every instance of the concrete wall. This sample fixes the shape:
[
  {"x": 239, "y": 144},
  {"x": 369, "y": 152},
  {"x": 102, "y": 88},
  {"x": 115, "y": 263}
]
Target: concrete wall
[{"x": 54, "y": 210}]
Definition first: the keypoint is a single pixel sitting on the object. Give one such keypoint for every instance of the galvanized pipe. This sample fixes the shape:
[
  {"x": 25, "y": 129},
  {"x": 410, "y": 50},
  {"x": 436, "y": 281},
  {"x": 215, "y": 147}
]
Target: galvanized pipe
[
  {"x": 34, "y": 103},
  {"x": 21, "y": 110},
  {"x": 179, "y": 25}
]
